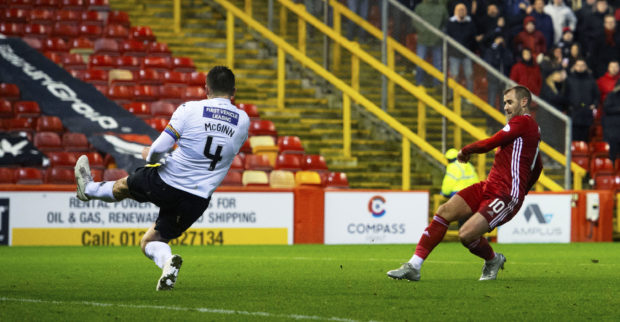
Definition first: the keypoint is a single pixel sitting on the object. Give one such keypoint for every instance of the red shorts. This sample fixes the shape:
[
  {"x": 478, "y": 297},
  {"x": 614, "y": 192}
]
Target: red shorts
[{"x": 497, "y": 208}]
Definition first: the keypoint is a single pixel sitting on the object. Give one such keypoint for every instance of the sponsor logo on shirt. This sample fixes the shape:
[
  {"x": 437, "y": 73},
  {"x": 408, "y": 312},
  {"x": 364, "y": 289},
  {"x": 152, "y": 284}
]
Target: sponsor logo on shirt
[{"x": 221, "y": 114}]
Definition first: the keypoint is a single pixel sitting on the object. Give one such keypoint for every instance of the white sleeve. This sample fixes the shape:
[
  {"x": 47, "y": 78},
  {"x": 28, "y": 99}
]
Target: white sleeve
[{"x": 163, "y": 144}]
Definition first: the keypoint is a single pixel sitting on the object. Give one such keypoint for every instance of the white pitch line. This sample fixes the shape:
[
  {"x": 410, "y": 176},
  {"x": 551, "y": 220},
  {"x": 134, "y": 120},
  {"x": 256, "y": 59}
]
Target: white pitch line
[{"x": 180, "y": 308}]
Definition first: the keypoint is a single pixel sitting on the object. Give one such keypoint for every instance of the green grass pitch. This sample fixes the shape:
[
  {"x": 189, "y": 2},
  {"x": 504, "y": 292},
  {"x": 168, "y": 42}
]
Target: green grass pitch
[{"x": 310, "y": 282}]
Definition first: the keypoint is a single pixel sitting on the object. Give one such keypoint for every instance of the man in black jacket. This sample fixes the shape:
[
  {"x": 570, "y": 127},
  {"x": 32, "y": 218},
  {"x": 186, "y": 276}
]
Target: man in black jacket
[
  {"x": 583, "y": 97},
  {"x": 462, "y": 28},
  {"x": 611, "y": 122}
]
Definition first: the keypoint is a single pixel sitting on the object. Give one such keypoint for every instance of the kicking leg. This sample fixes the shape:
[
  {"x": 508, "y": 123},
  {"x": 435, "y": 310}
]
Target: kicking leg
[
  {"x": 470, "y": 235},
  {"x": 456, "y": 208},
  {"x": 87, "y": 189}
]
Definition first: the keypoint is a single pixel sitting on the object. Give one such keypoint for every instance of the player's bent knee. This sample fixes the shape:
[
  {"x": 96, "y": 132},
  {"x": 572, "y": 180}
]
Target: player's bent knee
[{"x": 120, "y": 189}]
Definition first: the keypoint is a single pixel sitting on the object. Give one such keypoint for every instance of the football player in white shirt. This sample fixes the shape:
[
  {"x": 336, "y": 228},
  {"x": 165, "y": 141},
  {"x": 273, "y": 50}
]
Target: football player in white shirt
[{"x": 209, "y": 133}]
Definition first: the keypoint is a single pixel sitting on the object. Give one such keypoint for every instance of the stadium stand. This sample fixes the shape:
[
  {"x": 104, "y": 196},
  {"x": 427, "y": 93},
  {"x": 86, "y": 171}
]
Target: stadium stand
[
  {"x": 336, "y": 180},
  {"x": 290, "y": 162},
  {"x": 255, "y": 178},
  {"x": 29, "y": 176},
  {"x": 7, "y": 175},
  {"x": 281, "y": 179},
  {"x": 114, "y": 174},
  {"x": 307, "y": 178},
  {"x": 233, "y": 178}
]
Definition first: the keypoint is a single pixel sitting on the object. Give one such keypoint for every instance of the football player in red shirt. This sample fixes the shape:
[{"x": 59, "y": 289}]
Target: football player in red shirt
[{"x": 494, "y": 201}]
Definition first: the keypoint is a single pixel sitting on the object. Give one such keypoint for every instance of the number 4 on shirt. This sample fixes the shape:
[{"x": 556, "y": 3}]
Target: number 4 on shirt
[{"x": 215, "y": 158}]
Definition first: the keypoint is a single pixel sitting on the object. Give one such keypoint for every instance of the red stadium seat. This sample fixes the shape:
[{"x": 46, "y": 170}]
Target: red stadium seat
[
  {"x": 20, "y": 125},
  {"x": 49, "y": 124},
  {"x": 96, "y": 77},
  {"x": 336, "y": 180},
  {"x": 42, "y": 16},
  {"x": 132, "y": 47},
  {"x": 98, "y": 5},
  {"x": 290, "y": 162},
  {"x": 33, "y": 42},
  {"x": 158, "y": 123},
  {"x": 37, "y": 30},
  {"x": 92, "y": 18},
  {"x": 238, "y": 164},
  {"x": 62, "y": 159},
  {"x": 97, "y": 174},
  {"x": 146, "y": 93},
  {"x": 9, "y": 92},
  {"x": 197, "y": 79},
  {"x": 605, "y": 181},
  {"x": 21, "y": 4},
  {"x": 194, "y": 93},
  {"x": 118, "y": 32},
  {"x": 250, "y": 109},
  {"x": 82, "y": 43},
  {"x": 56, "y": 58},
  {"x": 161, "y": 64},
  {"x": 65, "y": 31},
  {"x": 149, "y": 77},
  {"x": 183, "y": 64},
  {"x": 47, "y": 141},
  {"x": 246, "y": 147},
  {"x": 158, "y": 49},
  {"x": 15, "y": 15},
  {"x": 257, "y": 162},
  {"x": 91, "y": 32},
  {"x": 314, "y": 162},
  {"x": 47, "y": 4},
  {"x": 103, "y": 62},
  {"x": 142, "y": 33},
  {"x": 73, "y": 62},
  {"x": 601, "y": 165},
  {"x": 11, "y": 29},
  {"x": 106, "y": 46},
  {"x": 6, "y": 109},
  {"x": 582, "y": 161},
  {"x": 131, "y": 63},
  {"x": 233, "y": 179},
  {"x": 119, "y": 18},
  {"x": 29, "y": 176},
  {"x": 121, "y": 94},
  {"x": 95, "y": 160},
  {"x": 75, "y": 142},
  {"x": 290, "y": 144},
  {"x": 138, "y": 109},
  {"x": 162, "y": 109},
  {"x": 114, "y": 174},
  {"x": 175, "y": 78},
  {"x": 263, "y": 127},
  {"x": 72, "y": 4},
  {"x": 23, "y": 109},
  {"x": 55, "y": 45},
  {"x": 7, "y": 176},
  {"x": 599, "y": 149},
  {"x": 56, "y": 175},
  {"x": 68, "y": 17},
  {"x": 171, "y": 94}
]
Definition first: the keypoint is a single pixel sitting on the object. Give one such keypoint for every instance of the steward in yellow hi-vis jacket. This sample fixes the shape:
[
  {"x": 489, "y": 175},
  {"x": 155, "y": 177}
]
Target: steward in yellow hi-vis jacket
[{"x": 458, "y": 175}]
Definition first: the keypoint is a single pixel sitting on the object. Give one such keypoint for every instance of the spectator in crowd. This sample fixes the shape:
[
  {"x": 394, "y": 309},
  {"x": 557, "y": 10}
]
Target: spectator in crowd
[
  {"x": 553, "y": 60},
  {"x": 526, "y": 72},
  {"x": 562, "y": 16},
  {"x": 611, "y": 123},
  {"x": 360, "y": 7},
  {"x": 463, "y": 30},
  {"x": 566, "y": 41},
  {"x": 515, "y": 12},
  {"x": 607, "y": 82},
  {"x": 553, "y": 92},
  {"x": 488, "y": 22},
  {"x": 587, "y": 8},
  {"x": 583, "y": 97},
  {"x": 435, "y": 13},
  {"x": 543, "y": 22},
  {"x": 530, "y": 38},
  {"x": 593, "y": 28},
  {"x": 401, "y": 27},
  {"x": 575, "y": 53},
  {"x": 498, "y": 55},
  {"x": 606, "y": 48},
  {"x": 471, "y": 5}
]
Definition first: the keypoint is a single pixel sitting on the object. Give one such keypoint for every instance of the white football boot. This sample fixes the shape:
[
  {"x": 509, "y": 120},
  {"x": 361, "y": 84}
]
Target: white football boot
[
  {"x": 406, "y": 271},
  {"x": 170, "y": 273},
  {"x": 82, "y": 177},
  {"x": 490, "y": 268}
]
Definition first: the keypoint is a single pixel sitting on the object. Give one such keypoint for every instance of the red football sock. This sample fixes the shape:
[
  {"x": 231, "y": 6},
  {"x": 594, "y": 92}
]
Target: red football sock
[
  {"x": 482, "y": 249},
  {"x": 432, "y": 236}
]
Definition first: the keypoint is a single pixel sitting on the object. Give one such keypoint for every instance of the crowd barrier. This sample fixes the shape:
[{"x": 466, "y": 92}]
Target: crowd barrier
[{"x": 52, "y": 215}]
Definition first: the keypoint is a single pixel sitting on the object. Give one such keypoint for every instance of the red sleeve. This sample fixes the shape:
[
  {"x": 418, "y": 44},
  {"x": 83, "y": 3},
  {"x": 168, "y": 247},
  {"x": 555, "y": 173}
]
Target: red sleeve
[
  {"x": 511, "y": 131},
  {"x": 538, "y": 166}
]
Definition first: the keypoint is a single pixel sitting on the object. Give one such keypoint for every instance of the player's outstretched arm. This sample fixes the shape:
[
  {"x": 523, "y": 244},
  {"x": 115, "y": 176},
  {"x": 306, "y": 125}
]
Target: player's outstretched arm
[{"x": 162, "y": 144}]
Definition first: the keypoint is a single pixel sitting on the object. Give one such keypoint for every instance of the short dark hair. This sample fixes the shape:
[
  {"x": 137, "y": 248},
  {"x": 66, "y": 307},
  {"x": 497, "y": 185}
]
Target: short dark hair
[
  {"x": 221, "y": 80},
  {"x": 520, "y": 93}
]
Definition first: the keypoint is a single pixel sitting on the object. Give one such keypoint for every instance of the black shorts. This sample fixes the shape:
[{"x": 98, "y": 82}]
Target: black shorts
[{"x": 178, "y": 209}]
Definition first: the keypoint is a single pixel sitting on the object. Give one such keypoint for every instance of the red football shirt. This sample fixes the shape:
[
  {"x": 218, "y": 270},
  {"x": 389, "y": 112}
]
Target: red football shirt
[{"x": 517, "y": 163}]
